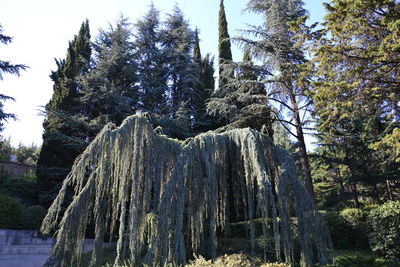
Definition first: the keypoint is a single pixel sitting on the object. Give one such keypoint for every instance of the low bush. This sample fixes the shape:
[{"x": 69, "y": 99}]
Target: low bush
[
  {"x": 23, "y": 189},
  {"x": 10, "y": 213},
  {"x": 353, "y": 216},
  {"x": 347, "y": 228},
  {"x": 384, "y": 234},
  {"x": 32, "y": 217},
  {"x": 361, "y": 259},
  {"x": 233, "y": 260}
]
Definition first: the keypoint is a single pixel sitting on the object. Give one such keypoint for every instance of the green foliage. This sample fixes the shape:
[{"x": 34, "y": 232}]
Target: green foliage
[
  {"x": 361, "y": 259},
  {"x": 204, "y": 89},
  {"x": 10, "y": 213},
  {"x": 6, "y": 150},
  {"x": 108, "y": 258},
  {"x": 32, "y": 217},
  {"x": 27, "y": 154},
  {"x": 357, "y": 63},
  {"x": 65, "y": 134},
  {"x": 242, "y": 102},
  {"x": 7, "y": 67},
  {"x": 347, "y": 232},
  {"x": 24, "y": 154},
  {"x": 353, "y": 216},
  {"x": 233, "y": 260},
  {"x": 282, "y": 48},
  {"x": 224, "y": 47},
  {"x": 22, "y": 188},
  {"x": 384, "y": 235}
]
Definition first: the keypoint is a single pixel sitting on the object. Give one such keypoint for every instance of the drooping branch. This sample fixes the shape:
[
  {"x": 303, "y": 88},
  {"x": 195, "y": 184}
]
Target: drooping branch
[{"x": 162, "y": 197}]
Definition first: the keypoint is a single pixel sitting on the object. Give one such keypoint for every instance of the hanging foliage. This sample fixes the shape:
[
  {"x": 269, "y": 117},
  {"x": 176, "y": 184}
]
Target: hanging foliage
[{"x": 164, "y": 199}]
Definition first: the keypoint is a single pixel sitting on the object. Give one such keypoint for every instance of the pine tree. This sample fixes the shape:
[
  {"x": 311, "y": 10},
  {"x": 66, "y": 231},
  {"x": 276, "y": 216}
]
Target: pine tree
[
  {"x": 283, "y": 56},
  {"x": 358, "y": 64},
  {"x": 7, "y": 67},
  {"x": 224, "y": 48},
  {"x": 63, "y": 138}
]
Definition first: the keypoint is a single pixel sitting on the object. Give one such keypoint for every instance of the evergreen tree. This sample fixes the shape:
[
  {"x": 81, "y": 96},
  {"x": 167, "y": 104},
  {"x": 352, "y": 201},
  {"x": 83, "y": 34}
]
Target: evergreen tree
[
  {"x": 243, "y": 103},
  {"x": 224, "y": 48},
  {"x": 283, "y": 56},
  {"x": 358, "y": 66},
  {"x": 203, "y": 121},
  {"x": 347, "y": 150},
  {"x": 177, "y": 42},
  {"x": 7, "y": 67},
  {"x": 151, "y": 63},
  {"x": 63, "y": 138},
  {"x": 109, "y": 90}
]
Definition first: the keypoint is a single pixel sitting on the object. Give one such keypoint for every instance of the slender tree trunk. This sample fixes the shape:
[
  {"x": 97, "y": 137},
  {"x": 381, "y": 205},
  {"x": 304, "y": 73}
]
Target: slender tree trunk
[
  {"x": 340, "y": 181},
  {"x": 305, "y": 164},
  {"x": 376, "y": 194},
  {"x": 389, "y": 190},
  {"x": 354, "y": 191}
]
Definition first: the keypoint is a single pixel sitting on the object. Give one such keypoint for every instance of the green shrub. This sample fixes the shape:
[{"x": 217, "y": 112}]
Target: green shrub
[
  {"x": 347, "y": 228},
  {"x": 361, "y": 259},
  {"x": 276, "y": 265},
  {"x": 10, "y": 213},
  {"x": 233, "y": 260},
  {"x": 32, "y": 217},
  {"x": 353, "y": 216},
  {"x": 20, "y": 188},
  {"x": 384, "y": 236}
]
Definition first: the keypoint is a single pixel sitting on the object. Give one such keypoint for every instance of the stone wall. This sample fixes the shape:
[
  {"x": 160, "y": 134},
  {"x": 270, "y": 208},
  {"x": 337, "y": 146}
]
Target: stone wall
[
  {"x": 17, "y": 169},
  {"x": 23, "y": 242}
]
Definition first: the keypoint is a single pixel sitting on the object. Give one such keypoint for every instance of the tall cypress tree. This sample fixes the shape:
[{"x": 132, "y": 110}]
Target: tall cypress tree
[
  {"x": 224, "y": 47},
  {"x": 203, "y": 121},
  {"x": 63, "y": 139}
]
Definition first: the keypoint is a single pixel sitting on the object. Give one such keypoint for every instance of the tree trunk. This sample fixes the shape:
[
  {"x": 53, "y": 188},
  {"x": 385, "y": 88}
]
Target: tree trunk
[
  {"x": 354, "y": 191},
  {"x": 305, "y": 164},
  {"x": 339, "y": 180},
  {"x": 389, "y": 190}
]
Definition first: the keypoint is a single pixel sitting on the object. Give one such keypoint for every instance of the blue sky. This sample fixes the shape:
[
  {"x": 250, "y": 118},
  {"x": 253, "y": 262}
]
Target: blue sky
[{"x": 42, "y": 29}]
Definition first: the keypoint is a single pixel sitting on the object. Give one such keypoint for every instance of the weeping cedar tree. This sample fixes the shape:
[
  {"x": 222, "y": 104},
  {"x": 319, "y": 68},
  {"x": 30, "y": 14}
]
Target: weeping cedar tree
[
  {"x": 7, "y": 67},
  {"x": 63, "y": 138},
  {"x": 165, "y": 199},
  {"x": 276, "y": 46}
]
